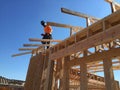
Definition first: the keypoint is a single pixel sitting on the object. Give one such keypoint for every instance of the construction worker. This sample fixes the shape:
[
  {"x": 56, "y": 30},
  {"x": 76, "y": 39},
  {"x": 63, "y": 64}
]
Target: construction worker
[{"x": 47, "y": 32}]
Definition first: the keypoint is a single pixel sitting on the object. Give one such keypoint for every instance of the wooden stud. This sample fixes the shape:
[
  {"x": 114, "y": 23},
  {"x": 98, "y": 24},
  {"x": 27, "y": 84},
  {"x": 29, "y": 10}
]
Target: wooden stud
[
  {"x": 49, "y": 78},
  {"x": 45, "y": 68},
  {"x": 108, "y": 73},
  {"x": 66, "y": 71},
  {"x": 39, "y": 71},
  {"x": 29, "y": 85},
  {"x": 83, "y": 76}
]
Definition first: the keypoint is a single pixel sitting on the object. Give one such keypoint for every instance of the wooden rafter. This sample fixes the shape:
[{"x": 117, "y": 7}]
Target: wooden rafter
[
  {"x": 78, "y": 14},
  {"x": 19, "y": 54},
  {"x": 63, "y": 25},
  {"x": 44, "y": 40},
  {"x": 31, "y": 45},
  {"x": 23, "y": 49},
  {"x": 97, "y": 57}
]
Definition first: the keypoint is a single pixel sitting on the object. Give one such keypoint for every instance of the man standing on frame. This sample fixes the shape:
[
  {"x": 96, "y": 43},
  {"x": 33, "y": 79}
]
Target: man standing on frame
[{"x": 47, "y": 33}]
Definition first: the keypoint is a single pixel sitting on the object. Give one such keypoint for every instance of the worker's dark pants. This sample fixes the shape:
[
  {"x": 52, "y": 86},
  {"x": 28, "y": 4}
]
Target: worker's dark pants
[{"x": 47, "y": 36}]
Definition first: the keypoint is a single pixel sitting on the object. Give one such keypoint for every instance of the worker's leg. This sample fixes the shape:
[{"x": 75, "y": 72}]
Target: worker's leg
[
  {"x": 48, "y": 43},
  {"x": 43, "y": 38}
]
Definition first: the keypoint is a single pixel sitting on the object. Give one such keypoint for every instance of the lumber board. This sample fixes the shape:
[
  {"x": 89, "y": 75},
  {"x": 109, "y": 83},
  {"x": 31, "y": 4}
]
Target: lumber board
[
  {"x": 83, "y": 75},
  {"x": 22, "y": 49},
  {"x": 28, "y": 45},
  {"x": 109, "y": 76},
  {"x": 77, "y": 14},
  {"x": 39, "y": 71},
  {"x": 112, "y": 1},
  {"x": 63, "y": 25},
  {"x": 101, "y": 38},
  {"x": 117, "y": 67},
  {"x": 49, "y": 78},
  {"x": 97, "y": 64},
  {"x": 44, "y": 40},
  {"x": 99, "y": 56},
  {"x": 29, "y": 85},
  {"x": 66, "y": 71},
  {"x": 19, "y": 54}
]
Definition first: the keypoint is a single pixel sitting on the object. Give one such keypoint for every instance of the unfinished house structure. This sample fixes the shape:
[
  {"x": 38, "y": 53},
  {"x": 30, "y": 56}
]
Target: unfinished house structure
[{"x": 71, "y": 63}]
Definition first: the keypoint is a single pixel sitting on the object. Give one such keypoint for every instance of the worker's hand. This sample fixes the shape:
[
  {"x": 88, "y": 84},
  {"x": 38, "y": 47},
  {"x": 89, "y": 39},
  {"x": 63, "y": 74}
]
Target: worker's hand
[{"x": 42, "y": 34}]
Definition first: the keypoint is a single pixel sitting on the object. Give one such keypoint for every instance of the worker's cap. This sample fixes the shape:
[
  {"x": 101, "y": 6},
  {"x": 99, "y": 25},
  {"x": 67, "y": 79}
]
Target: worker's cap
[{"x": 43, "y": 23}]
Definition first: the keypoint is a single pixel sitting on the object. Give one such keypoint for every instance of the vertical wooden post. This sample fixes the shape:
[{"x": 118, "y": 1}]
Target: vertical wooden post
[
  {"x": 44, "y": 73},
  {"x": 109, "y": 76},
  {"x": 66, "y": 71},
  {"x": 31, "y": 73},
  {"x": 112, "y": 7},
  {"x": 83, "y": 67},
  {"x": 87, "y": 22},
  {"x": 70, "y": 31},
  {"x": 83, "y": 76},
  {"x": 57, "y": 76},
  {"x": 39, "y": 71},
  {"x": 117, "y": 85},
  {"x": 49, "y": 78}
]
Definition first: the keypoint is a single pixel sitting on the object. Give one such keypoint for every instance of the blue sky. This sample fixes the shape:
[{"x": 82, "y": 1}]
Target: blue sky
[{"x": 20, "y": 20}]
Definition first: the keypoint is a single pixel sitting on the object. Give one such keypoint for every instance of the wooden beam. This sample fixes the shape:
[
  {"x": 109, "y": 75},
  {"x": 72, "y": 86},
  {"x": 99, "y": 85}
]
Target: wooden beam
[
  {"x": 113, "y": 1},
  {"x": 97, "y": 39},
  {"x": 19, "y": 54},
  {"x": 28, "y": 45},
  {"x": 117, "y": 67},
  {"x": 44, "y": 40},
  {"x": 98, "y": 56},
  {"x": 66, "y": 71},
  {"x": 24, "y": 49},
  {"x": 77, "y": 14},
  {"x": 39, "y": 71},
  {"x": 83, "y": 76},
  {"x": 108, "y": 73},
  {"x": 110, "y": 1},
  {"x": 63, "y": 25},
  {"x": 49, "y": 78},
  {"x": 98, "y": 64},
  {"x": 114, "y": 5},
  {"x": 44, "y": 74}
]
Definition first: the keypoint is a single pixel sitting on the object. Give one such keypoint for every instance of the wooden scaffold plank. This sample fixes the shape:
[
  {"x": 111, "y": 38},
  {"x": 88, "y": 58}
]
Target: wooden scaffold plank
[
  {"x": 109, "y": 76},
  {"x": 44, "y": 40},
  {"x": 19, "y": 54},
  {"x": 78, "y": 14}
]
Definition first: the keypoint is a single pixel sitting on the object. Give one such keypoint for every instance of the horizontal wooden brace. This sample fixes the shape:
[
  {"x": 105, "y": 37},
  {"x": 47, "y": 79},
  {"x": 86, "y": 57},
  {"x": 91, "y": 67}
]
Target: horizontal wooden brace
[
  {"x": 77, "y": 14},
  {"x": 44, "y": 40},
  {"x": 97, "y": 39},
  {"x": 98, "y": 56},
  {"x": 63, "y": 25},
  {"x": 28, "y": 45},
  {"x": 23, "y": 49},
  {"x": 19, "y": 54}
]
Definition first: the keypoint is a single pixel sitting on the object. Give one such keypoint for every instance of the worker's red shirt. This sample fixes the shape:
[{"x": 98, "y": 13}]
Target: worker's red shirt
[{"x": 48, "y": 29}]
